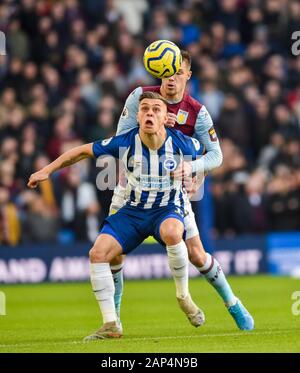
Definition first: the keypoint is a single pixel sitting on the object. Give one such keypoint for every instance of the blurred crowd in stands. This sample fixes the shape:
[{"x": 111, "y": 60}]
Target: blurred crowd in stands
[{"x": 69, "y": 67}]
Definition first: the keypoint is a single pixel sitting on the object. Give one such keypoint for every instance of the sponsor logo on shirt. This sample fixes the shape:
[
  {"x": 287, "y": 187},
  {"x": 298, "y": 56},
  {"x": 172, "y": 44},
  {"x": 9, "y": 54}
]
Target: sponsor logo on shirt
[
  {"x": 148, "y": 182},
  {"x": 212, "y": 134}
]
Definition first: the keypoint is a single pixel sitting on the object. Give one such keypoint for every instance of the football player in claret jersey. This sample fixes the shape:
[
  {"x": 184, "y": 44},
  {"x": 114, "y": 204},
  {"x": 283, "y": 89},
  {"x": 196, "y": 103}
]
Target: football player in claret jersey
[
  {"x": 191, "y": 118},
  {"x": 154, "y": 204}
]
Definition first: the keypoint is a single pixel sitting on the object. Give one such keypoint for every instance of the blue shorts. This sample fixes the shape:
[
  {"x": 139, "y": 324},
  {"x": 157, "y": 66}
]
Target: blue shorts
[{"x": 130, "y": 226}]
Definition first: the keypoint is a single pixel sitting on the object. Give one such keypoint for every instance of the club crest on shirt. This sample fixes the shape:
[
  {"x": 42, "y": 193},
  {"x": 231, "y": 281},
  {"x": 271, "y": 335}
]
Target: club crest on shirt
[
  {"x": 170, "y": 164},
  {"x": 182, "y": 116}
]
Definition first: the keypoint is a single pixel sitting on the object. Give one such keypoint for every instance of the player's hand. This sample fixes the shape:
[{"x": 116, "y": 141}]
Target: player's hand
[
  {"x": 190, "y": 186},
  {"x": 197, "y": 181},
  {"x": 171, "y": 120},
  {"x": 36, "y": 178},
  {"x": 183, "y": 172}
]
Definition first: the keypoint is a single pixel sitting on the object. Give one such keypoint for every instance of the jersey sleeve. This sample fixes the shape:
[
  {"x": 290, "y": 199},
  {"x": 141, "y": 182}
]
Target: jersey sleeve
[
  {"x": 191, "y": 147},
  {"x": 128, "y": 119},
  {"x": 112, "y": 146},
  {"x": 206, "y": 134}
]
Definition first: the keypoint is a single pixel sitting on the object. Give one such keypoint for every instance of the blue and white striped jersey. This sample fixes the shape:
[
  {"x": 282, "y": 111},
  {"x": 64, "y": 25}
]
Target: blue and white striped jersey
[
  {"x": 187, "y": 110},
  {"x": 149, "y": 183}
]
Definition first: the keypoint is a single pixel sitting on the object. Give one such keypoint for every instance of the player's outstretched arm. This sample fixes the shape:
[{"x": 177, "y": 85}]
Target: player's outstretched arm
[{"x": 66, "y": 159}]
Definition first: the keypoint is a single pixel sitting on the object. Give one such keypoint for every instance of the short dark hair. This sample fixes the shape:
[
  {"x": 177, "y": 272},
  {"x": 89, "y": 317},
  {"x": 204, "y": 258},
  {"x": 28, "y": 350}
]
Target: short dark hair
[
  {"x": 153, "y": 96},
  {"x": 186, "y": 56}
]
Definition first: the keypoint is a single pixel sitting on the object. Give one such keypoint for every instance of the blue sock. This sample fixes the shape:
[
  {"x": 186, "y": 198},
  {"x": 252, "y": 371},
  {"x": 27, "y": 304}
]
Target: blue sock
[
  {"x": 117, "y": 272},
  {"x": 214, "y": 274}
]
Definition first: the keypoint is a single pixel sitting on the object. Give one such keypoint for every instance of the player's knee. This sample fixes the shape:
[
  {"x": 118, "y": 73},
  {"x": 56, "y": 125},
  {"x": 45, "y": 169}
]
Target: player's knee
[
  {"x": 97, "y": 256},
  {"x": 171, "y": 235}
]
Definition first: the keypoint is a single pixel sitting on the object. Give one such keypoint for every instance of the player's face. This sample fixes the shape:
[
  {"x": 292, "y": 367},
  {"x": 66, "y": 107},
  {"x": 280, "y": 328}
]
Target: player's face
[
  {"x": 152, "y": 115},
  {"x": 175, "y": 85}
]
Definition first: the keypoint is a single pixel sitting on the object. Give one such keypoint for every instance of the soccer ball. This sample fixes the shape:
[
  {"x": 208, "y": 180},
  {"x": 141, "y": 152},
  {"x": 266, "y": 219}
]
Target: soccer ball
[{"x": 162, "y": 58}]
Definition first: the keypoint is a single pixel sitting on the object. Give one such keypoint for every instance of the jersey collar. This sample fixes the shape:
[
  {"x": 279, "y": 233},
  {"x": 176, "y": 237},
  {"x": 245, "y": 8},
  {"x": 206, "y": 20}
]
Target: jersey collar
[{"x": 175, "y": 102}]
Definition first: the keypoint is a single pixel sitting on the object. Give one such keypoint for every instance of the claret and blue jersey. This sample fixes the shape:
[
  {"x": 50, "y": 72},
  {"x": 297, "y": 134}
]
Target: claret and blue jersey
[
  {"x": 150, "y": 184},
  {"x": 193, "y": 119}
]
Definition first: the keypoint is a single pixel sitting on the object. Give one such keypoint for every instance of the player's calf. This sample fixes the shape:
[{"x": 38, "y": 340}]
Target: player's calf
[{"x": 196, "y": 252}]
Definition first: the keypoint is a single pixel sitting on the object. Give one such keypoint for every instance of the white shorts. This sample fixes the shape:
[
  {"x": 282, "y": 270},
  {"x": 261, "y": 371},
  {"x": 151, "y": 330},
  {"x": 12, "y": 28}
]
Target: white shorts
[
  {"x": 190, "y": 225},
  {"x": 118, "y": 199}
]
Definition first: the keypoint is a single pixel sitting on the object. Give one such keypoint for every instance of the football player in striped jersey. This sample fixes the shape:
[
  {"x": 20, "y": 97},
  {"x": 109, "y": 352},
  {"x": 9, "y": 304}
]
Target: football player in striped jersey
[
  {"x": 191, "y": 118},
  {"x": 154, "y": 204}
]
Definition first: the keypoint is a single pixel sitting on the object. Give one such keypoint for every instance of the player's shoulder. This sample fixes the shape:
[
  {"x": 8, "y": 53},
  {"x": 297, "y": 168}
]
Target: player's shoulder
[
  {"x": 178, "y": 137},
  {"x": 193, "y": 104},
  {"x": 136, "y": 93},
  {"x": 129, "y": 134},
  {"x": 182, "y": 141},
  {"x": 124, "y": 138},
  {"x": 151, "y": 88}
]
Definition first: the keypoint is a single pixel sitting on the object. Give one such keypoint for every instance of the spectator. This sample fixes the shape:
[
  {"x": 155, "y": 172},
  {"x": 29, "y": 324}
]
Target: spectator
[
  {"x": 189, "y": 31},
  {"x": 17, "y": 40},
  {"x": 10, "y": 232},
  {"x": 232, "y": 122},
  {"x": 71, "y": 64},
  {"x": 79, "y": 206},
  {"x": 283, "y": 200},
  {"x": 212, "y": 98},
  {"x": 63, "y": 133},
  {"x": 249, "y": 210},
  {"x": 41, "y": 223},
  {"x": 132, "y": 12}
]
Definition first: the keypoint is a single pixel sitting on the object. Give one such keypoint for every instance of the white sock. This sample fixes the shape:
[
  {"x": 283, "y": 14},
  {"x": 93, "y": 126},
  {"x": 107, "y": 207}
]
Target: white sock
[
  {"x": 104, "y": 289},
  {"x": 178, "y": 263}
]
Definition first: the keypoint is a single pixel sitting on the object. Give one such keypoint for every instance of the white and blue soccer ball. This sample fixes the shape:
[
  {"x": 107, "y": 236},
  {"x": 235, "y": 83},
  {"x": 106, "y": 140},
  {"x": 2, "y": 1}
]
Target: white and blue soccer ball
[{"x": 162, "y": 58}]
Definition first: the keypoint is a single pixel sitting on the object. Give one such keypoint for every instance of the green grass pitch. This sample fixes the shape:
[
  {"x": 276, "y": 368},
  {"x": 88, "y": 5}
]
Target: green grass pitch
[{"x": 55, "y": 318}]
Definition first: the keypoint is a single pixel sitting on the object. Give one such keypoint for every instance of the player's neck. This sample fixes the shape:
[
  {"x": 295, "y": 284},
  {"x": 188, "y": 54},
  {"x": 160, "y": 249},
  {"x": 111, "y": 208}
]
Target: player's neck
[
  {"x": 172, "y": 98},
  {"x": 155, "y": 140}
]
